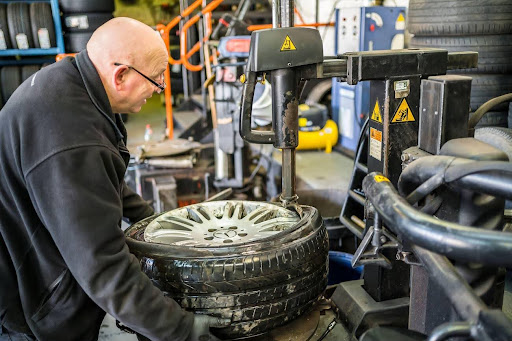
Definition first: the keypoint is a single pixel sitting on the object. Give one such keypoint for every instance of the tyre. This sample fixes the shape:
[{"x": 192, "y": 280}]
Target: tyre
[
  {"x": 84, "y": 6},
  {"x": 43, "y": 28},
  {"x": 500, "y": 138},
  {"x": 320, "y": 93},
  {"x": 494, "y": 119},
  {"x": 486, "y": 87},
  {"x": 5, "y": 38},
  {"x": 27, "y": 71},
  {"x": 76, "y": 41},
  {"x": 18, "y": 19},
  {"x": 1, "y": 97},
  {"x": 494, "y": 51},
  {"x": 10, "y": 78},
  {"x": 259, "y": 280},
  {"x": 85, "y": 22},
  {"x": 459, "y": 17}
]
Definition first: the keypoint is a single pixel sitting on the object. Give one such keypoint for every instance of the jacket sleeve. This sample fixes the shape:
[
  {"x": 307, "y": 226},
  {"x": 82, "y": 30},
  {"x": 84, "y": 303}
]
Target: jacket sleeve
[
  {"x": 134, "y": 207},
  {"x": 77, "y": 195}
]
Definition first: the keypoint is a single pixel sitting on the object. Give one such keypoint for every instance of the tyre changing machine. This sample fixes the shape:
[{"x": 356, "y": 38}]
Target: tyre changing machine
[{"x": 415, "y": 110}]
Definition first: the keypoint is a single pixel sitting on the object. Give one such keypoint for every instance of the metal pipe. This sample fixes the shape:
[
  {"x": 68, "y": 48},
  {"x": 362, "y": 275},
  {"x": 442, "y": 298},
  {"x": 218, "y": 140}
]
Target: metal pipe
[
  {"x": 464, "y": 300},
  {"x": 276, "y": 13},
  {"x": 448, "y": 330},
  {"x": 455, "y": 241},
  {"x": 288, "y": 174},
  {"x": 489, "y": 177},
  {"x": 287, "y": 13}
]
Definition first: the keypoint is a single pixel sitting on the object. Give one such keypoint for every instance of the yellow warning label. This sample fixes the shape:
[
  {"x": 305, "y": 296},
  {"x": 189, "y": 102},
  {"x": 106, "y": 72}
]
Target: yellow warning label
[
  {"x": 303, "y": 121},
  {"x": 380, "y": 178},
  {"x": 288, "y": 45},
  {"x": 403, "y": 113},
  {"x": 400, "y": 22},
  {"x": 376, "y": 116},
  {"x": 376, "y": 134}
]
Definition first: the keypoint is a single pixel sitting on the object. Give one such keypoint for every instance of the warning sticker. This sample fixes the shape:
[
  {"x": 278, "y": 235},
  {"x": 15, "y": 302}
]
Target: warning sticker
[
  {"x": 22, "y": 41},
  {"x": 376, "y": 144},
  {"x": 288, "y": 45},
  {"x": 400, "y": 22},
  {"x": 3, "y": 44},
  {"x": 403, "y": 113},
  {"x": 376, "y": 116},
  {"x": 380, "y": 178},
  {"x": 44, "y": 38}
]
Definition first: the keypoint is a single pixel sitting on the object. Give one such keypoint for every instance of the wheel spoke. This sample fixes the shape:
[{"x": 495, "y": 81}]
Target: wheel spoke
[{"x": 220, "y": 223}]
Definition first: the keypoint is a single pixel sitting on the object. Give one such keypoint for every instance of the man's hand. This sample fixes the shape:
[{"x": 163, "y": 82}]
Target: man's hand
[{"x": 201, "y": 327}]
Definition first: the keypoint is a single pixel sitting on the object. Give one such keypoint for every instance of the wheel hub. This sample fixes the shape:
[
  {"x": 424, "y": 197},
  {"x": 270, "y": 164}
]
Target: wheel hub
[{"x": 219, "y": 223}]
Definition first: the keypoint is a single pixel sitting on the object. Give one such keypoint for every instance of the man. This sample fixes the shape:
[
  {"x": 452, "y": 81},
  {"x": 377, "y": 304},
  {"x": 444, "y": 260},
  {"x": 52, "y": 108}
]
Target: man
[{"x": 63, "y": 257}]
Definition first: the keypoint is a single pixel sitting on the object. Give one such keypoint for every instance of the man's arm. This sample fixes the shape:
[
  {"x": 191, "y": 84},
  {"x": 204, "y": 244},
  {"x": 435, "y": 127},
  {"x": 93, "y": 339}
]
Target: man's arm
[
  {"x": 134, "y": 207},
  {"x": 76, "y": 194}
]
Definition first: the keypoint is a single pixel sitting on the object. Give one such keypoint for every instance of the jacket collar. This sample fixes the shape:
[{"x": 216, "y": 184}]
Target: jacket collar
[{"x": 97, "y": 93}]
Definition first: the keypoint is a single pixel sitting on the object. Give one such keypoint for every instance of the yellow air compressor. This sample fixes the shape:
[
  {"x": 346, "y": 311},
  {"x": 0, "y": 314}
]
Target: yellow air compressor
[{"x": 316, "y": 131}]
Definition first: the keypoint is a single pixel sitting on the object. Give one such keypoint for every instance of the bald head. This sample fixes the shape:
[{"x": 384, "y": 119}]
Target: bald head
[{"x": 126, "y": 41}]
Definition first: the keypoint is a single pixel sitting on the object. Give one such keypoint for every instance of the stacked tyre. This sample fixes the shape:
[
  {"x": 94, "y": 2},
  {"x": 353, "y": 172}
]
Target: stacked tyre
[
  {"x": 11, "y": 77},
  {"x": 471, "y": 25},
  {"x": 81, "y": 18},
  {"x": 26, "y": 25}
]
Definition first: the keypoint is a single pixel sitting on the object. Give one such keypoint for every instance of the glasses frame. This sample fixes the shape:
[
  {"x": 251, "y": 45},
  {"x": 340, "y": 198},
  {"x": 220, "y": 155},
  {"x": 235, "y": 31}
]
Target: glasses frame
[{"x": 161, "y": 87}]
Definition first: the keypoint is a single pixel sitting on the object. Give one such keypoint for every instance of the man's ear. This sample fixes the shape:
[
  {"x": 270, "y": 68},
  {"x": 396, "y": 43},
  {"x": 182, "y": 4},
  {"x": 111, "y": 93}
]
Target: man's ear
[{"x": 119, "y": 76}]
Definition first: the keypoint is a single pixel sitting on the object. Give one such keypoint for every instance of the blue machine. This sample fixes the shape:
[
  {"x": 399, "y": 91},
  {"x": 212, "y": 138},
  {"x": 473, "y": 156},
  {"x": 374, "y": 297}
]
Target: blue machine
[{"x": 361, "y": 29}]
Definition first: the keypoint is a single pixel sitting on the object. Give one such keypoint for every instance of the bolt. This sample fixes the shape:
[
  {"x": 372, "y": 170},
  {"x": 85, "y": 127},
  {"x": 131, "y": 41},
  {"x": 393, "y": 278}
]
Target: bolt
[
  {"x": 404, "y": 157},
  {"x": 289, "y": 64},
  {"x": 383, "y": 239}
]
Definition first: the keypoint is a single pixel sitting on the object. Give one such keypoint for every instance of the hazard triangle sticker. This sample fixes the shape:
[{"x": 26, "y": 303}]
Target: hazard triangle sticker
[
  {"x": 376, "y": 116},
  {"x": 288, "y": 45},
  {"x": 403, "y": 113}
]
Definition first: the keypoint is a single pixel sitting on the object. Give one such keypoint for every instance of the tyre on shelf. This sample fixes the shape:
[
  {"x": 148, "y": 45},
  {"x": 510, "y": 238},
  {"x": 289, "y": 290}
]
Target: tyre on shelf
[
  {"x": 10, "y": 78},
  {"x": 459, "y": 17},
  {"x": 43, "y": 28},
  {"x": 5, "y": 38},
  {"x": 85, "y": 22},
  {"x": 18, "y": 19},
  {"x": 75, "y": 42},
  {"x": 494, "y": 51},
  {"x": 85, "y": 6}
]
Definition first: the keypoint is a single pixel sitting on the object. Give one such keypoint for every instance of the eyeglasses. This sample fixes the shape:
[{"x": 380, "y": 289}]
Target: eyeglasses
[{"x": 161, "y": 87}]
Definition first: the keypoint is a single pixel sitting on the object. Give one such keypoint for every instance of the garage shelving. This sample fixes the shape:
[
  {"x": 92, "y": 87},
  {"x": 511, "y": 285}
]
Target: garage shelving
[{"x": 39, "y": 51}]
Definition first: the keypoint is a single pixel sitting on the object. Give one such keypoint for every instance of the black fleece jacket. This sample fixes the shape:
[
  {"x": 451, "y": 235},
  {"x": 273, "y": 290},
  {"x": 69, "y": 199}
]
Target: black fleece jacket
[{"x": 63, "y": 257}]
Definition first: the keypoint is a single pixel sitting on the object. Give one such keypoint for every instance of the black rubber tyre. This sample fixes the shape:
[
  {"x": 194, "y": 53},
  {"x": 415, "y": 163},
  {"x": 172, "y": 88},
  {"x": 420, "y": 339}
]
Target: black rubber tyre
[
  {"x": 41, "y": 19},
  {"x": 84, "y": 6},
  {"x": 85, "y": 22},
  {"x": 494, "y": 51},
  {"x": 76, "y": 41},
  {"x": 500, "y": 138},
  {"x": 459, "y": 17},
  {"x": 1, "y": 97},
  {"x": 510, "y": 115},
  {"x": 28, "y": 70},
  {"x": 320, "y": 93},
  {"x": 486, "y": 87},
  {"x": 258, "y": 285},
  {"x": 10, "y": 78},
  {"x": 4, "y": 27},
  {"x": 18, "y": 18},
  {"x": 494, "y": 119}
]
